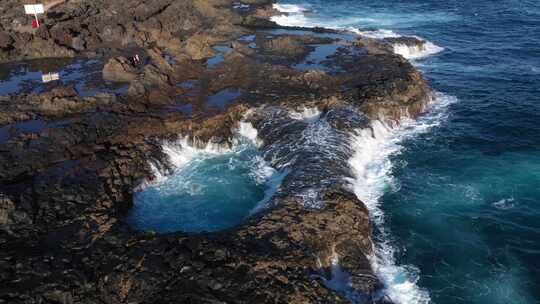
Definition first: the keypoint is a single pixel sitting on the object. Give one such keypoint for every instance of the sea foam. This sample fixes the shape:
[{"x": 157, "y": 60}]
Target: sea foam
[
  {"x": 372, "y": 167},
  {"x": 371, "y": 162},
  {"x": 307, "y": 114},
  {"x": 375, "y": 34},
  {"x": 294, "y": 15},
  {"x": 290, "y": 8},
  {"x": 183, "y": 151},
  {"x": 417, "y": 51},
  {"x": 179, "y": 153},
  {"x": 291, "y": 15}
]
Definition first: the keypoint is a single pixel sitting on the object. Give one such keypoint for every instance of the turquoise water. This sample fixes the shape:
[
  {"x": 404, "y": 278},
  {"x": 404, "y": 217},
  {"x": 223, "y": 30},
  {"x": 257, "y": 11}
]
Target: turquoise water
[
  {"x": 207, "y": 190},
  {"x": 457, "y": 207}
]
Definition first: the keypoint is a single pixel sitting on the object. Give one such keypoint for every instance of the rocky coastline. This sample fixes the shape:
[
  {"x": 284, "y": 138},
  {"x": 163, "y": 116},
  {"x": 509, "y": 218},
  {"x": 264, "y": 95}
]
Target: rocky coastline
[{"x": 72, "y": 155}]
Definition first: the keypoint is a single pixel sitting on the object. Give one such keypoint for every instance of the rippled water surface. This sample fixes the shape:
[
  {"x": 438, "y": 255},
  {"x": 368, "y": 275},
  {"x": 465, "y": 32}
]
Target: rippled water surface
[
  {"x": 458, "y": 203},
  {"x": 207, "y": 189}
]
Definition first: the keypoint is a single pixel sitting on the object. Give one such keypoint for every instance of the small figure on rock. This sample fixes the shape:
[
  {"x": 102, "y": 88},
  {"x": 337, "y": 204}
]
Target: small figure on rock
[{"x": 136, "y": 59}]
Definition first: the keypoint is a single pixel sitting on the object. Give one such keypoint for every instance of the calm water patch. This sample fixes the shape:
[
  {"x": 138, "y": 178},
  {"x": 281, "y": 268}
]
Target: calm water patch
[
  {"x": 223, "y": 98},
  {"x": 315, "y": 59},
  {"x": 85, "y": 75},
  {"x": 214, "y": 61}
]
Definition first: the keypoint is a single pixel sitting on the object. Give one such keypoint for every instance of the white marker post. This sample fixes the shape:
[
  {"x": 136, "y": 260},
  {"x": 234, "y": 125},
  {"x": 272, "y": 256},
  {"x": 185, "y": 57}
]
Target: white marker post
[{"x": 34, "y": 9}]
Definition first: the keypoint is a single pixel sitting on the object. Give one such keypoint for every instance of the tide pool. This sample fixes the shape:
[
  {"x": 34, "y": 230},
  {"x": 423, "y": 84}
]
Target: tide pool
[{"x": 207, "y": 190}]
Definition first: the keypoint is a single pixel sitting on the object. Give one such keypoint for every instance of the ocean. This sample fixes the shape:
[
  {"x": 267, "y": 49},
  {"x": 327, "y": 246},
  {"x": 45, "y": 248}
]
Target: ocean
[{"x": 455, "y": 195}]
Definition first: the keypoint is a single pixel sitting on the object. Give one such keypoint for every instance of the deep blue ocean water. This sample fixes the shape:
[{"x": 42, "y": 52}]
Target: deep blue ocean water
[{"x": 463, "y": 210}]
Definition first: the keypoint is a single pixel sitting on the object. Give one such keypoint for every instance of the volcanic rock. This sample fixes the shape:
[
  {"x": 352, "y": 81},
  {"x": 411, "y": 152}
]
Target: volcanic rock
[{"x": 70, "y": 164}]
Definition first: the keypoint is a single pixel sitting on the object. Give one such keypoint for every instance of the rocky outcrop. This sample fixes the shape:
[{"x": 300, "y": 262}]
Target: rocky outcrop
[
  {"x": 83, "y": 27},
  {"x": 69, "y": 164},
  {"x": 408, "y": 41},
  {"x": 119, "y": 69}
]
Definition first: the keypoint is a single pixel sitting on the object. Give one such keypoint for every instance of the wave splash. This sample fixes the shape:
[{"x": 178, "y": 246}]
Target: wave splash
[
  {"x": 291, "y": 15},
  {"x": 371, "y": 161},
  {"x": 290, "y": 8},
  {"x": 375, "y": 34},
  {"x": 295, "y": 15},
  {"x": 305, "y": 142},
  {"x": 308, "y": 114},
  {"x": 184, "y": 153},
  {"x": 372, "y": 167},
  {"x": 417, "y": 51}
]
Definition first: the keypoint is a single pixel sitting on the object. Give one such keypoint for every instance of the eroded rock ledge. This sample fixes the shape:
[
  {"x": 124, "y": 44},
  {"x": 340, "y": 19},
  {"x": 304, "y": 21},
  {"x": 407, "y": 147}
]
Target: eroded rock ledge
[{"x": 69, "y": 162}]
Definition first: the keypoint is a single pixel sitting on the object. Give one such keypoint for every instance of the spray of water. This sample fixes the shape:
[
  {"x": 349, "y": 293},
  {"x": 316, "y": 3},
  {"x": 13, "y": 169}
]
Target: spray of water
[
  {"x": 294, "y": 15},
  {"x": 372, "y": 168}
]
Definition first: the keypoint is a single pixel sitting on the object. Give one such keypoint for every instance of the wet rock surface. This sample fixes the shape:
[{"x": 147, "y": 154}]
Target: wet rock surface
[{"x": 70, "y": 162}]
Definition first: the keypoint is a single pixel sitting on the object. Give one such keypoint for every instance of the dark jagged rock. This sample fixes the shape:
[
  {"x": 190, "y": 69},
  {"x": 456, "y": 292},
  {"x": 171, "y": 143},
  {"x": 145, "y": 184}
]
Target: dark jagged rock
[
  {"x": 119, "y": 69},
  {"x": 69, "y": 164},
  {"x": 408, "y": 41}
]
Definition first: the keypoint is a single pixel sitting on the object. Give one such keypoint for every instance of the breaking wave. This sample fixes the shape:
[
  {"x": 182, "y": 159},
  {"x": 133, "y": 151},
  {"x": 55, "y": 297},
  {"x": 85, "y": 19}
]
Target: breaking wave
[
  {"x": 375, "y": 34},
  {"x": 290, "y": 8},
  {"x": 295, "y": 15},
  {"x": 372, "y": 167},
  {"x": 205, "y": 187},
  {"x": 371, "y": 162},
  {"x": 307, "y": 114},
  {"x": 417, "y": 51},
  {"x": 291, "y": 15}
]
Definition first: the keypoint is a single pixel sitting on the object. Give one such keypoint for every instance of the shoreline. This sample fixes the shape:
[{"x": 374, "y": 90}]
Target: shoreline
[{"x": 111, "y": 137}]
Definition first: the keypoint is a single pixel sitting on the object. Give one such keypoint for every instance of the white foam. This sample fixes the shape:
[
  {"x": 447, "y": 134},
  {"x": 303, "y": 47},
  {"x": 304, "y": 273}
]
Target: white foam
[
  {"x": 310, "y": 198},
  {"x": 372, "y": 168},
  {"x": 158, "y": 175},
  {"x": 263, "y": 173},
  {"x": 273, "y": 182},
  {"x": 260, "y": 170},
  {"x": 182, "y": 152},
  {"x": 294, "y": 15},
  {"x": 307, "y": 114},
  {"x": 504, "y": 204},
  {"x": 375, "y": 34},
  {"x": 179, "y": 153},
  {"x": 290, "y": 8},
  {"x": 241, "y": 6},
  {"x": 417, "y": 51},
  {"x": 246, "y": 129},
  {"x": 291, "y": 15}
]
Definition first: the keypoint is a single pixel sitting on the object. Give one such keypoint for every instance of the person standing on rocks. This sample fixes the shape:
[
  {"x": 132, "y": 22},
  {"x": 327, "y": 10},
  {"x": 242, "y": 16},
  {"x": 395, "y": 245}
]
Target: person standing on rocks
[{"x": 136, "y": 59}]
